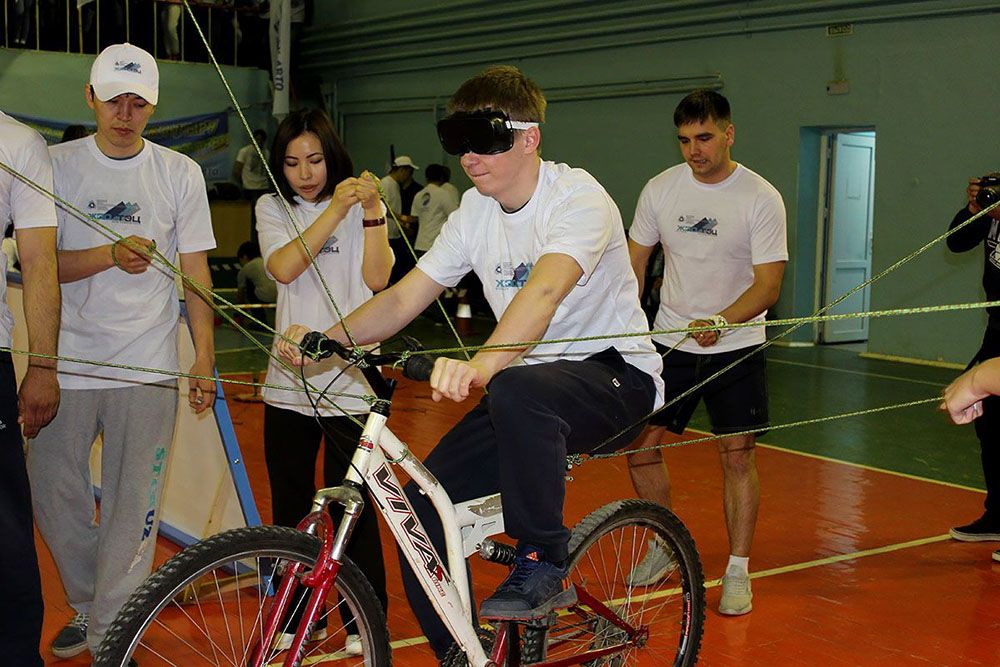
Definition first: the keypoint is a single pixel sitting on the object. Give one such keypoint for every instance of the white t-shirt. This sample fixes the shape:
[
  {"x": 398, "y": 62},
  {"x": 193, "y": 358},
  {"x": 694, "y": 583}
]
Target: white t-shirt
[
  {"x": 304, "y": 301},
  {"x": 113, "y": 316},
  {"x": 23, "y": 150},
  {"x": 712, "y": 236},
  {"x": 394, "y": 201},
  {"x": 452, "y": 192},
  {"x": 570, "y": 214},
  {"x": 254, "y": 176},
  {"x": 431, "y": 206}
]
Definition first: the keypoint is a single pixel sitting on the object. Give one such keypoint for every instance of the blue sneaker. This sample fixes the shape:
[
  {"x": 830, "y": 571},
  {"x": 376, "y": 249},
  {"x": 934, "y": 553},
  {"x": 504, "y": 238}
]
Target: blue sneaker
[{"x": 533, "y": 588}]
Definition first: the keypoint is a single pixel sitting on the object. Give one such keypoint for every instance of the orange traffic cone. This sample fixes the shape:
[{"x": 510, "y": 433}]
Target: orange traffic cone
[{"x": 463, "y": 319}]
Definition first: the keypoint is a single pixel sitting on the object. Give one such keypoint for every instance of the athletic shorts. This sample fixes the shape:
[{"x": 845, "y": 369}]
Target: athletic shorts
[{"x": 736, "y": 400}]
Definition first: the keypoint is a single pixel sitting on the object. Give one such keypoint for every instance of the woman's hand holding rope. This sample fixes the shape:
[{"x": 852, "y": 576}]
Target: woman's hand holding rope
[
  {"x": 288, "y": 345},
  {"x": 351, "y": 191}
]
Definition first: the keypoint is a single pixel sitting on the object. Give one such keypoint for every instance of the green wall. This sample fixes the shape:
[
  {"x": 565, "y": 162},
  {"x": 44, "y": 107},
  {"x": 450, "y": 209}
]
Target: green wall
[
  {"x": 923, "y": 74},
  {"x": 51, "y": 86}
]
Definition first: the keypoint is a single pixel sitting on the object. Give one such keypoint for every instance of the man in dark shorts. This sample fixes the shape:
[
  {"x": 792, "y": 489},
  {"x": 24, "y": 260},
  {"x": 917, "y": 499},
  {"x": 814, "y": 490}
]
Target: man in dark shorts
[{"x": 722, "y": 228}]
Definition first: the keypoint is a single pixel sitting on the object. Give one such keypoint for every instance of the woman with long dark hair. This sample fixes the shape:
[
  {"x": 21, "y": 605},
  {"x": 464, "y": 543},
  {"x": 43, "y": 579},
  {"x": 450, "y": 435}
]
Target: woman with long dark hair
[{"x": 342, "y": 220}]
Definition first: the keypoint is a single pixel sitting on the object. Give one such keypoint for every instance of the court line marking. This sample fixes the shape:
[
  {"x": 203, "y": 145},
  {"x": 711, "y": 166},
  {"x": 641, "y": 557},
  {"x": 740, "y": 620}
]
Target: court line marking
[
  {"x": 863, "y": 466},
  {"x": 881, "y": 376},
  {"x": 839, "y": 558},
  {"x": 771, "y": 572}
]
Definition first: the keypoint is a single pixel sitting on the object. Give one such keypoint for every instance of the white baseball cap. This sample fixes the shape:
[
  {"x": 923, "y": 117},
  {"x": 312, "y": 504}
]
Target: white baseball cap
[
  {"x": 123, "y": 68},
  {"x": 404, "y": 161}
]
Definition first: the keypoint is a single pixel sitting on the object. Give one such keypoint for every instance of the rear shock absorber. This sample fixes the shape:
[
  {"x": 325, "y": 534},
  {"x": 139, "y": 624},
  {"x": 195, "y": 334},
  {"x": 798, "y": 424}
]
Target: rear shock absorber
[{"x": 497, "y": 552}]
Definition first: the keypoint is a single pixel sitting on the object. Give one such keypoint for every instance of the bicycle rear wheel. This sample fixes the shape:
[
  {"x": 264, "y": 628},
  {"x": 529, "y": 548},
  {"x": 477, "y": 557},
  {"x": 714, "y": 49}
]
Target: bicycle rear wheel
[
  {"x": 606, "y": 547},
  {"x": 223, "y": 624}
]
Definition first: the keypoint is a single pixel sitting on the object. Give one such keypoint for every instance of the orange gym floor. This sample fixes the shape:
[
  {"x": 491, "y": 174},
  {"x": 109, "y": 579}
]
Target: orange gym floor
[{"x": 851, "y": 564}]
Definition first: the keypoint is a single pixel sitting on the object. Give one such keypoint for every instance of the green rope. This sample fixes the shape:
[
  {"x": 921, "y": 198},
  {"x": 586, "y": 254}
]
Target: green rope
[
  {"x": 917, "y": 310},
  {"x": 577, "y": 459},
  {"x": 368, "y": 398}
]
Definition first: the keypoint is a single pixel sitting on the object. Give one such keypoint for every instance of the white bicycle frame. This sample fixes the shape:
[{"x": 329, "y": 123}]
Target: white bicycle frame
[{"x": 466, "y": 525}]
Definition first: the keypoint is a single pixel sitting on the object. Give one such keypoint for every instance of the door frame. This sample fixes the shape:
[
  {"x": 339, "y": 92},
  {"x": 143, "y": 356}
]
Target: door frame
[{"x": 823, "y": 209}]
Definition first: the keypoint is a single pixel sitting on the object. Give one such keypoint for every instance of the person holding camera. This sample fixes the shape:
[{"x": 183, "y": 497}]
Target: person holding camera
[{"x": 986, "y": 232}]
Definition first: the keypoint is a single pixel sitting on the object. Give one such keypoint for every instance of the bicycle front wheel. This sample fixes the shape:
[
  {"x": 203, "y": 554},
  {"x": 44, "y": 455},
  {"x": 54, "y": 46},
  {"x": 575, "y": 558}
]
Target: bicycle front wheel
[
  {"x": 208, "y": 605},
  {"x": 638, "y": 560}
]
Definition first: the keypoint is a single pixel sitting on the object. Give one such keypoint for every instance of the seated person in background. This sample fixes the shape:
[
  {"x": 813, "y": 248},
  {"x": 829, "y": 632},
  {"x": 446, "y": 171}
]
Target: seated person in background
[
  {"x": 549, "y": 245},
  {"x": 253, "y": 285}
]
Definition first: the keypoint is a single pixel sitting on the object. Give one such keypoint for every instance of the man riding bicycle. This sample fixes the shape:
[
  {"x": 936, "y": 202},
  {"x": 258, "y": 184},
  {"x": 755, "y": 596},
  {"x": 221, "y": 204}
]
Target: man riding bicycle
[{"x": 548, "y": 244}]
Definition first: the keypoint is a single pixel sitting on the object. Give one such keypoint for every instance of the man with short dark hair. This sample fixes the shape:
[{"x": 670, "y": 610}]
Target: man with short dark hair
[
  {"x": 33, "y": 406},
  {"x": 399, "y": 176},
  {"x": 250, "y": 172},
  {"x": 722, "y": 228},
  {"x": 120, "y": 310},
  {"x": 549, "y": 245}
]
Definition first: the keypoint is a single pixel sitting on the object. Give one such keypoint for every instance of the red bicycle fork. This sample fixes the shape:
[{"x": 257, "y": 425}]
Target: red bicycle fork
[{"x": 320, "y": 579}]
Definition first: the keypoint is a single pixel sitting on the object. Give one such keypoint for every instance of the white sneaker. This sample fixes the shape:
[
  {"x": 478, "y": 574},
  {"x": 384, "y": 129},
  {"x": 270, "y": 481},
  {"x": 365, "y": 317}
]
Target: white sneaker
[
  {"x": 658, "y": 562},
  {"x": 283, "y": 641},
  {"x": 736, "y": 595},
  {"x": 353, "y": 645}
]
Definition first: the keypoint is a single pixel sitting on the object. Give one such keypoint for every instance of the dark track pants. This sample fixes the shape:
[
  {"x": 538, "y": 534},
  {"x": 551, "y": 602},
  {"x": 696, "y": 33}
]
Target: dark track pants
[
  {"x": 21, "y": 600},
  {"x": 988, "y": 429},
  {"x": 516, "y": 441}
]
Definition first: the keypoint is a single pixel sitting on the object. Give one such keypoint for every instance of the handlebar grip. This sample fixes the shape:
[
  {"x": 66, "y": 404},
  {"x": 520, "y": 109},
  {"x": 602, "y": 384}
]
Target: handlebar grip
[
  {"x": 316, "y": 345},
  {"x": 418, "y": 367}
]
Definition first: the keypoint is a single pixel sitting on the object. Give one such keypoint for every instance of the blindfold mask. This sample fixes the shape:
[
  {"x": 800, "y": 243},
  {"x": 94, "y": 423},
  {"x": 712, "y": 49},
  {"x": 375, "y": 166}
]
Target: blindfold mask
[{"x": 480, "y": 132}]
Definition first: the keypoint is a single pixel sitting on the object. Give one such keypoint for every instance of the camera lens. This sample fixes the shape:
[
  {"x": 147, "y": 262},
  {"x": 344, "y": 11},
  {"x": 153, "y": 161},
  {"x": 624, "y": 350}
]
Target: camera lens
[{"x": 988, "y": 196}]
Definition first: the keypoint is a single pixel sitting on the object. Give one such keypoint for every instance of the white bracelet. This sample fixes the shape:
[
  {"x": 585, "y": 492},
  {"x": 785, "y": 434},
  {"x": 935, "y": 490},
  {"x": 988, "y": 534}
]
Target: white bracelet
[{"x": 721, "y": 324}]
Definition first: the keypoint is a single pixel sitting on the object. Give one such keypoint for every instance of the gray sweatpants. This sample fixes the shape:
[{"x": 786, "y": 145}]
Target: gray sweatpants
[{"x": 101, "y": 564}]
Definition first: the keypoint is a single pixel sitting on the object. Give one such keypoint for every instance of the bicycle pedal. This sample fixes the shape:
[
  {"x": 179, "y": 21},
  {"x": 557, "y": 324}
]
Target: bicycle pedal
[
  {"x": 542, "y": 623},
  {"x": 535, "y": 641}
]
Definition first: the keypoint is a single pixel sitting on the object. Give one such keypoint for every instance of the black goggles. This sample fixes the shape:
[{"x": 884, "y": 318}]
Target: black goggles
[{"x": 481, "y": 132}]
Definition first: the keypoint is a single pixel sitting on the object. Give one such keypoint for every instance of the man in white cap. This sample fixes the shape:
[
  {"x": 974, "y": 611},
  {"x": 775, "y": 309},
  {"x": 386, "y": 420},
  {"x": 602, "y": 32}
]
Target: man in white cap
[
  {"x": 119, "y": 307},
  {"x": 34, "y": 218},
  {"x": 392, "y": 183}
]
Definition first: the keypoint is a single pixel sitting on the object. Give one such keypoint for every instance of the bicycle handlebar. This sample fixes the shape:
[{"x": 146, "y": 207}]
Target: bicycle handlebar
[{"x": 316, "y": 345}]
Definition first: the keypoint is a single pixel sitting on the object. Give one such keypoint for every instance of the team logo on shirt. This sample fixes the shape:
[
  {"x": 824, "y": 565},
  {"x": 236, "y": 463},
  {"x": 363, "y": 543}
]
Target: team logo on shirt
[
  {"x": 122, "y": 66},
  {"x": 331, "y": 245},
  {"x": 993, "y": 244},
  {"x": 698, "y": 225},
  {"x": 512, "y": 277},
  {"x": 127, "y": 212}
]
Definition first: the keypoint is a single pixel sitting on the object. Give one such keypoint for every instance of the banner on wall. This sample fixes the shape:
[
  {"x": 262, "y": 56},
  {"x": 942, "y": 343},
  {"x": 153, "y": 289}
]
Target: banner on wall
[
  {"x": 280, "y": 20},
  {"x": 205, "y": 138}
]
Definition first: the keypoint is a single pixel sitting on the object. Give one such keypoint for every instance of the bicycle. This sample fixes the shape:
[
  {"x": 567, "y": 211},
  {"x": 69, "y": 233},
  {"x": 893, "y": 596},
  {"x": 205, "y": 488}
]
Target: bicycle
[{"x": 280, "y": 573}]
